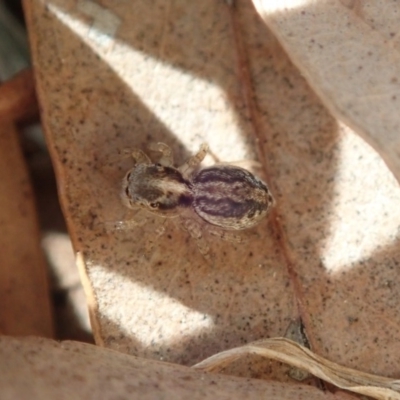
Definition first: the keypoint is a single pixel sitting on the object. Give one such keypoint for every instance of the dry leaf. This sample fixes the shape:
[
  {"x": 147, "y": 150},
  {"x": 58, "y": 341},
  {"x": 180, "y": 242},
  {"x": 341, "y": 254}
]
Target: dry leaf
[
  {"x": 123, "y": 75},
  {"x": 34, "y": 368},
  {"x": 287, "y": 351},
  {"x": 18, "y": 98},
  {"x": 348, "y": 50},
  {"x": 24, "y": 290}
]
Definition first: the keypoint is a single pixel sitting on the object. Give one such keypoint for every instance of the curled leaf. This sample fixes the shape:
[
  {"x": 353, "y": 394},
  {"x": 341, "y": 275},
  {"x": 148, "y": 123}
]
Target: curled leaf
[{"x": 287, "y": 351}]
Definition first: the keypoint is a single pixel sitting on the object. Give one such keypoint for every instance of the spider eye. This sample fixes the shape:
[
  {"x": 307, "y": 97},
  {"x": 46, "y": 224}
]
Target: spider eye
[{"x": 154, "y": 205}]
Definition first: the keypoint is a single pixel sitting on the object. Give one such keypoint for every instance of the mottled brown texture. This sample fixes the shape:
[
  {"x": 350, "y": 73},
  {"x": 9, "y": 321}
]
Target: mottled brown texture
[{"x": 156, "y": 188}]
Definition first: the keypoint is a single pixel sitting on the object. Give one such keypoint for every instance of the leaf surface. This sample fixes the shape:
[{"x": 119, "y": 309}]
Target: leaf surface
[
  {"x": 125, "y": 75},
  {"x": 37, "y": 368}
]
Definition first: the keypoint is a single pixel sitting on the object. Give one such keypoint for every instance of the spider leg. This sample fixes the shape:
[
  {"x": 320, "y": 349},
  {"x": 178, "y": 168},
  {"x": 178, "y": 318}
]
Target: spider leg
[{"x": 193, "y": 162}]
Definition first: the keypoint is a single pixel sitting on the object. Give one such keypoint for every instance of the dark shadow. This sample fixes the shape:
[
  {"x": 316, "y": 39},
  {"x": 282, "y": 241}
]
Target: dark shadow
[{"x": 65, "y": 295}]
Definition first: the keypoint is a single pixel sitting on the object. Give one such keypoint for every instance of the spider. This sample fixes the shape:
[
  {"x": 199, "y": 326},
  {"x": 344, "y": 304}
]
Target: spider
[{"x": 224, "y": 195}]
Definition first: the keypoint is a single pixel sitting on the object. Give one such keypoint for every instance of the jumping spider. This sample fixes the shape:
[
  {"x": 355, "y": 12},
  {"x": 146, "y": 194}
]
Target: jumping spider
[{"x": 223, "y": 195}]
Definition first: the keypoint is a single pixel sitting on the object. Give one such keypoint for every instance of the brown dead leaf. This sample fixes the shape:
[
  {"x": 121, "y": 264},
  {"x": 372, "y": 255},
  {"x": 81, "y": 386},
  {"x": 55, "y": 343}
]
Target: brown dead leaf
[
  {"x": 18, "y": 97},
  {"x": 122, "y": 75},
  {"x": 34, "y": 368},
  {"x": 24, "y": 289}
]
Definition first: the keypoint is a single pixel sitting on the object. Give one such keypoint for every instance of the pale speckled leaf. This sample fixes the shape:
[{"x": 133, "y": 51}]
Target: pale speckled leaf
[
  {"x": 122, "y": 75},
  {"x": 348, "y": 50}
]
